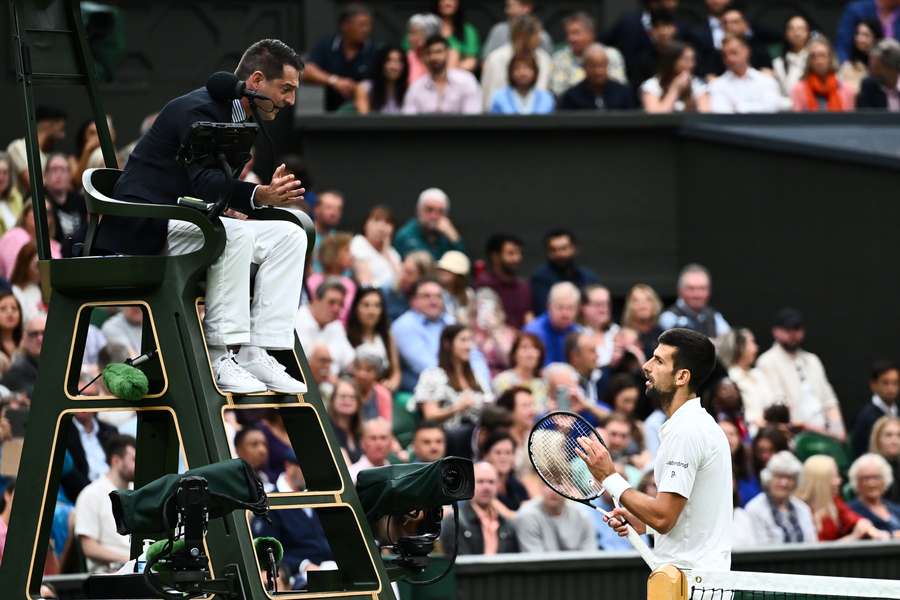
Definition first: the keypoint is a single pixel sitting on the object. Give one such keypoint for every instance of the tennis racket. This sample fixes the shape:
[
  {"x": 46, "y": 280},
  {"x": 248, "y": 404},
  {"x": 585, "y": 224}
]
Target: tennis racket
[{"x": 551, "y": 448}]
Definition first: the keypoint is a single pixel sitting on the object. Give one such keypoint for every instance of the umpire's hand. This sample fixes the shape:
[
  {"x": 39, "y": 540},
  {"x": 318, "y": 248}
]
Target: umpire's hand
[{"x": 284, "y": 190}]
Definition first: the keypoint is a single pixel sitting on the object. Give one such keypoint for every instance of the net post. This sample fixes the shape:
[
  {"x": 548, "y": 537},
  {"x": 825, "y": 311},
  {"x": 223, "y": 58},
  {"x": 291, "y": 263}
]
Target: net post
[{"x": 667, "y": 583}]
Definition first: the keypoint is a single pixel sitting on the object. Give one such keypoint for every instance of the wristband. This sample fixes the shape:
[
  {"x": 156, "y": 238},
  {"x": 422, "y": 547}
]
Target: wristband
[
  {"x": 332, "y": 79},
  {"x": 615, "y": 485}
]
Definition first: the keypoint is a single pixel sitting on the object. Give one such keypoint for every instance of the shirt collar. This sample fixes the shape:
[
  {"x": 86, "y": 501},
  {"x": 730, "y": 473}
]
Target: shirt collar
[
  {"x": 684, "y": 412},
  {"x": 237, "y": 112},
  {"x": 81, "y": 429},
  {"x": 888, "y": 409}
]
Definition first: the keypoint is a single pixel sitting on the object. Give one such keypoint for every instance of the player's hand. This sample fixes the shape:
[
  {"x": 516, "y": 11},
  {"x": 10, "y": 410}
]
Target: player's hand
[
  {"x": 596, "y": 456},
  {"x": 619, "y": 519},
  {"x": 284, "y": 189}
]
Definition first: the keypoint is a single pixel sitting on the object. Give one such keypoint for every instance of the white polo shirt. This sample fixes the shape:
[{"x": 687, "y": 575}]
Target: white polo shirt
[{"x": 694, "y": 461}]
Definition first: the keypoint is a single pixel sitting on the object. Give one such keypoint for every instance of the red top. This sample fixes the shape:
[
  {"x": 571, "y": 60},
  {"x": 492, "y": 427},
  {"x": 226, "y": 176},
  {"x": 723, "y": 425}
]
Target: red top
[{"x": 846, "y": 521}]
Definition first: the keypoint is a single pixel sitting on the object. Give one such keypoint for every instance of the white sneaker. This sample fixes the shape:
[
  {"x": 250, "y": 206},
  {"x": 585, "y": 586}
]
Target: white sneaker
[
  {"x": 273, "y": 375},
  {"x": 231, "y": 377}
]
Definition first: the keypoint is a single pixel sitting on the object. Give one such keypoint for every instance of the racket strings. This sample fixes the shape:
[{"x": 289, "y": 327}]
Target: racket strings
[{"x": 552, "y": 446}]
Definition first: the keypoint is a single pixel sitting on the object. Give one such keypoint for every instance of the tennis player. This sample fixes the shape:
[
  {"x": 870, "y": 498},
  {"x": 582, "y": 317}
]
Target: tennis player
[{"x": 690, "y": 517}]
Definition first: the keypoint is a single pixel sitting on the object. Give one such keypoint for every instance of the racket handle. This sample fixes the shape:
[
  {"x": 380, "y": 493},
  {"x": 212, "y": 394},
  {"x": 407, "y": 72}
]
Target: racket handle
[{"x": 637, "y": 542}]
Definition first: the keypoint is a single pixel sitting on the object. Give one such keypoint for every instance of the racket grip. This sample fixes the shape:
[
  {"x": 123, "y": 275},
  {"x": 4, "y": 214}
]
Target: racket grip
[{"x": 638, "y": 543}]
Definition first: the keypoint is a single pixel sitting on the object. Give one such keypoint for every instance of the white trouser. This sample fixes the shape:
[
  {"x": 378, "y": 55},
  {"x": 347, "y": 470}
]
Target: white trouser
[{"x": 279, "y": 248}]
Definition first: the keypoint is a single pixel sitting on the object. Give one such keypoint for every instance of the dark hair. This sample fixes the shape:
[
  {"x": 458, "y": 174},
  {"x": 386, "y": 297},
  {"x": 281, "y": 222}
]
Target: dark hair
[
  {"x": 458, "y": 21},
  {"x": 17, "y": 330},
  {"x": 422, "y": 281},
  {"x": 661, "y": 16},
  {"x": 49, "y": 113},
  {"x": 495, "y": 438},
  {"x": 268, "y": 56},
  {"x": 436, "y": 39},
  {"x": 508, "y": 398},
  {"x": 693, "y": 351},
  {"x": 773, "y": 434},
  {"x": 559, "y": 232},
  {"x": 730, "y": 37},
  {"x": 522, "y": 58},
  {"x": 524, "y": 335},
  {"x": 19, "y": 275},
  {"x": 874, "y": 25},
  {"x": 880, "y": 367},
  {"x": 618, "y": 384},
  {"x": 116, "y": 445},
  {"x": 570, "y": 344},
  {"x": 328, "y": 284},
  {"x": 378, "y": 93},
  {"x": 428, "y": 424},
  {"x": 446, "y": 359},
  {"x": 669, "y": 55},
  {"x": 496, "y": 242},
  {"x": 356, "y": 419},
  {"x": 785, "y": 47},
  {"x": 9, "y": 488},
  {"x": 379, "y": 212},
  {"x": 354, "y": 326},
  {"x": 352, "y": 9},
  {"x": 243, "y": 433}
]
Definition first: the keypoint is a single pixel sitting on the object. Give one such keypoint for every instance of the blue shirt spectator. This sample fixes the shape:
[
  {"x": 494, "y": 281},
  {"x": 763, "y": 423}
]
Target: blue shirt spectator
[
  {"x": 508, "y": 102},
  {"x": 854, "y": 13},
  {"x": 558, "y": 322},
  {"x": 418, "y": 332}
]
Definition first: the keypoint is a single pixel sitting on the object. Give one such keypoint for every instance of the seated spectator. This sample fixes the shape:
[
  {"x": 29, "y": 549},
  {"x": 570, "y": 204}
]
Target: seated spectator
[
  {"x": 630, "y": 34},
  {"x": 278, "y": 443},
  {"x": 820, "y": 488},
  {"x": 443, "y": 89},
  {"x": 519, "y": 401},
  {"x": 461, "y": 36},
  {"x": 884, "y": 383},
  {"x": 555, "y": 325},
  {"x": 596, "y": 317},
  {"x": 338, "y": 62},
  {"x": 708, "y": 36},
  {"x": 85, "y": 442},
  {"x": 320, "y": 370},
  {"x": 126, "y": 327},
  {"x": 345, "y": 412},
  {"x": 522, "y": 96},
  {"x": 871, "y": 476},
  {"x": 497, "y": 69},
  {"x": 51, "y": 130},
  {"x": 429, "y": 442},
  {"x": 88, "y": 154},
  {"x": 742, "y": 89},
  {"x": 26, "y": 282},
  {"x": 319, "y": 323},
  {"x": 881, "y": 89},
  {"x": 492, "y": 336},
  {"x": 568, "y": 62},
  {"x": 500, "y": 32},
  {"x": 251, "y": 446},
  {"x": 449, "y": 393},
  {"x": 368, "y": 333},
  {"x": 883, "y": 11},
  {"x": 376, "y": 399},
  {"x": 527, "y": 356},
  {"x": 418, "y": 331},
  {"x": 500, "y": 451},
  {"x": 622, "y": 394},
  {"x": 376, "y": 262},
  {"x": 452, "y": 271},
  {"x": 778, "y": 515},
  {"x": 23, "y": 372},
  {"x": 384, "y": 93},
  {"x": 820, "y": 89},
  {"x": 561, "y": 250},
  {"x": 327, "y": 213},
  {"x": 674, "y": 88},
  {"x": 799, "y": 377},
  {"x": 885, "y": 442},
  {"x": 738, "y": 351},
  {"x": 662, "y": 32},
  {"x": 6, "y": 500},
  {"x": 104, "y": 548},
  {"x": 790, "y": 66},
  {"x": 10, "y": 197},
  {"x": 563, "y": 391},
  {"x": 69, "y": 209},
  {"x": 419, "y": 29},
  {"x": 581, "y": 353},
  {"x": 735, "y": 23},
  {"x": 723, "y": 399},
  {"x": 856, "y": 67},
  {"x": 375, "y": 444},
  {"x": 692, "y": 309},
  {"x": 624, "y": 449},
  {"x": 483, "y": 530},
  {"x": 12, "y": 241},
  {"x": 768, "y": 441},
  {"x": 431, "y": 229},
  {"x": 743, "y": 531},
  {"x": 504, "y": 259},
  {"x": 336, "y": 260},
  {"x": 597, "y": 91},
  {"x": 10, "y": 328},
  {"x": 641, "y": 314},
  {"x": 414, "y": 267},
  {"x": 464, "y": 441},
  {"x": 550, "y": 523},
  {"x": 741, "y": 465}
]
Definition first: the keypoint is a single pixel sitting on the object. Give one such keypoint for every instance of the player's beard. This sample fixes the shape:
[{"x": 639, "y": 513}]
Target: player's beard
[{"x": 663, "y": 398}]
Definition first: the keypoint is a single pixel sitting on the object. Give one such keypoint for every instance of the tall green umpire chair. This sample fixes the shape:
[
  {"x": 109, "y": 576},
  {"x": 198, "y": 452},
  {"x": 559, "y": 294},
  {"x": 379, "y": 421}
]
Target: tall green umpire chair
[{"x": 181, "y": 419}]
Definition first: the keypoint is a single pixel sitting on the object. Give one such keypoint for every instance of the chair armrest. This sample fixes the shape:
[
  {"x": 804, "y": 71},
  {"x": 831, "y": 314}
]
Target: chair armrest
[
  {"x": 296, "y": 216},
  {"x": 146, "y": 210}
]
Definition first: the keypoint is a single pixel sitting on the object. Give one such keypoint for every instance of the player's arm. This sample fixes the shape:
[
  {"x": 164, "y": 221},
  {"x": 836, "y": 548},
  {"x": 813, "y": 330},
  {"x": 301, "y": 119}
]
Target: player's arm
[{"x": 660, "y": 512}]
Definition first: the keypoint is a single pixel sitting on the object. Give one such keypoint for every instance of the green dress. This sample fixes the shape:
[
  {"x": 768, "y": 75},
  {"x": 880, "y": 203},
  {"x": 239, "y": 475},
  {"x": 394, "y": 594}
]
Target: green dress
[{"x": 469, "y": 45}]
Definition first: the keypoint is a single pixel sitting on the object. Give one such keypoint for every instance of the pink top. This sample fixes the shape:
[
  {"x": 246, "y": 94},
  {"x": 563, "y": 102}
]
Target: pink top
[
  {"x": 10, "y": 244},
  {"x": 316, "y": 279},
  {"x": 798, "y": 97},
  {"x": 416, "y": 66}
]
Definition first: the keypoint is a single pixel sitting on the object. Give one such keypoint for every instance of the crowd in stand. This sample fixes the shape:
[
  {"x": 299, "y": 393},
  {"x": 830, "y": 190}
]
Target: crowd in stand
[{"x": 650, "y": 59}]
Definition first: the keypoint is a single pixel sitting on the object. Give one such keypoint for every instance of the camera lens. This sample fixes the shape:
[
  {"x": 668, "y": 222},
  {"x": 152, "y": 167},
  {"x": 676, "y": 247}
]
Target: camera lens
[{"x": 452, "y": 479}]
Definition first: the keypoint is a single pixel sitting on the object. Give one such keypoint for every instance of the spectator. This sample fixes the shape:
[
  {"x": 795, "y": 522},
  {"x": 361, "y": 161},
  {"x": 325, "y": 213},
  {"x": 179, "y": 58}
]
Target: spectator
[
  {"x": 431, "y": 229},
  {"x": 449, "y": 393},
  {"x": 522, "y": 96},
  {"x": 768, "y": 441},
  {"x": 790, "y": 66},
  {"x": 886, "y": 442},
  {"x": 6, "y": 500},
  {"x": 335, "y": 260},
  {"x": 641, "y": 314},
  {"x": 369, "y": 334},
  {"x": 10, "y": 327},
  {"x": 778, "y": 515},
  {"x": 597, "y": 91},
  {"x": 23, "y": 372},
  {"x": 51, "y": 130},
  {"x": 26, "y": 282},
  {"x": 460, "y": 35},
  {"x": 338, "y": 62},
  {"x": 622, "y": 395},
  {"x": 320, "y": 370},
  {"x": 88, "y": 153},
  {"x": 444, "y": 89},
  {"x": 375, "y": 261},
  {"x": 376, "y": 399},
  {"x": 419, "y": 28},
  {"x": 319, "y": 323},
  {"x": 820, "y": 89},
  {"x": 709, "y": 37},
  {"x": 624, "y": 449},
  {"x": 525, "y": 41},
  {"x": 596, "y": 317},
  {"x": 555, "y": 325},
  {"x": 551, "y": 523},
  {"x": 13, "y": 240},
  {"x": 68, "y": 207},
  {"x": 631, "y": 33},
  {"x": 375, "y": 444},
  {"x": 252, "y": 447},
  {"x": 345, "y": 411},
  {"x": 519, "y": 401},
  {"x": 742, "y": 89},
  {"x": 741, "y": 466},
  {"x": 278, "y": 442},
  {"x": 414, "y": 267},
  {"x": 799, "y": 377},
  {"x": 500, "y": 32},
  {"x": 674, "y": 88},
  {"x": 884, "y": 383},
  {"x": 492, "y": 336},
  {"x": 429, "y": 442},
  {"x": 104, "y": 548},
  {"x": 871, "y": 476},
  {"x": 500, "y": 451},
  {"x": 562, "y": 251},
  {"x": 464, "y": 441},
  {"x": 126, "y": 327},
  {"x": 856, "y": 67},
  {"x": 738, "y": 351},
  {"x": 692, "y": 310},
  {"x": 881, "y": 89},
  {"x": 504, "y": 259},
  {"x": 568, "y": 62},
  {"x": 85, "y": 443},
  {"x": 581, "y": 353},
  {"x": 10, "y": 197},
  {"x": 743, "y": 532},
  {"x": 527, "y": 356},
  {"x": 384, "y": 93},
  {"x": 645, "y": 64},
  {"x": 483, "y": 529},
  {"x": 885, "y": 12},
  {"x": 820, "y": 488},
  {"x": 735, "y": 23},
  {"x": 452, "y": 272},
  {"x": 418, "y": 331},
  {"x": 327, "y": 213}
]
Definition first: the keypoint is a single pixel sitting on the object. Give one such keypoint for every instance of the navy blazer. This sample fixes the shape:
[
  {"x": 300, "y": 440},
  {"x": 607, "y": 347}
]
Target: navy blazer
[
  {"x": 871, "y": 95},
  {"x": 153, "y": 175}
]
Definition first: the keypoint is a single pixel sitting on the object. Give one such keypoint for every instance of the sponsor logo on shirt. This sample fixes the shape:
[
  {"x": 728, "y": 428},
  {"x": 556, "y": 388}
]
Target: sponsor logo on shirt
[{"x": 675, "y": 463}]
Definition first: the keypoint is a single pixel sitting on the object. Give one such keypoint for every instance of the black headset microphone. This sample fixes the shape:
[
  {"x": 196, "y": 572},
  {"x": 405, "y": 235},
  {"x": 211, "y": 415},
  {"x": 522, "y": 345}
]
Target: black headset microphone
[{"x": 224, "y": 87}]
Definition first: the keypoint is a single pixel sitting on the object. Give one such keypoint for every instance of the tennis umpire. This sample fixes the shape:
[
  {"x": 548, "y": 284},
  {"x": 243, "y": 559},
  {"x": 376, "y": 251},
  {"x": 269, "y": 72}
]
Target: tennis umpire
[{"x": 691, "y": 515}]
